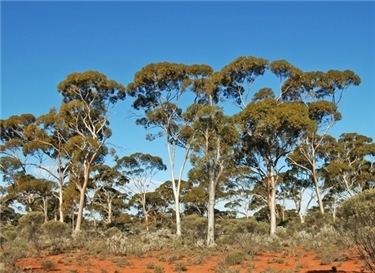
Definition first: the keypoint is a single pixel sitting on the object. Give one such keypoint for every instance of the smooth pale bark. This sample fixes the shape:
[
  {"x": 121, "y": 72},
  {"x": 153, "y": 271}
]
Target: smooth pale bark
[
  {"x": 301, "y": 218},
  {"x": 178, "y": 216},
  {"x": 45, "y": 209},
  {"x": 109, "y": 220},
  {"x": 314, "y": 177},
  {"x": 272, "y": 209},
  {"x": 61, "y": 212},
  {"x": 176, "y": 187},
  {"x": 82, "y": 192},
  {"x": 145, "y": 213},
  {"x": 272, "y": 201},
  {"x": 211, "y": 215}
]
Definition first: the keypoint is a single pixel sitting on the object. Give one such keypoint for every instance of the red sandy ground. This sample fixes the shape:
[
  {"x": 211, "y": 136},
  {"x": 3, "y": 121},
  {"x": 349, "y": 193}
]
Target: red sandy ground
[{"x": 80, "y": 262}]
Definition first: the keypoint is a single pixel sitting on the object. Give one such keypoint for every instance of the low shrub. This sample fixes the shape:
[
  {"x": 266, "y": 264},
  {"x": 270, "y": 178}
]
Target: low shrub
[
  {"x": 139, "y": 244},
  {"x": 47, "y": 265},
  {"x": 356, "y": 218},
  {"x": 30, "y": 228},
  {"x": 57, "y": 233},
  {"x": 234, "y": 258}
]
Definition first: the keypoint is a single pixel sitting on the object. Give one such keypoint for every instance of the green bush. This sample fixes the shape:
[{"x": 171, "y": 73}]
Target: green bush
[
  {"x": 314, "y": 221},
  {"x": 57, "y": 232},
  {"x": 30, "y": 225},
  {"x": 234, "y": 258},
  {"x": 8, "y": 233},
  {"x": 356, "y": 217},
  {"x": 112, "y": 231},
  {"x": 242, "y": 225},
  {"x": 194, "y": 226}
]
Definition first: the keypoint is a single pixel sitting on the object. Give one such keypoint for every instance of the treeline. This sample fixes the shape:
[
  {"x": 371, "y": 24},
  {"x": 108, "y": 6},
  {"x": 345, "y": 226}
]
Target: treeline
[{"x": 275, "y": 149}]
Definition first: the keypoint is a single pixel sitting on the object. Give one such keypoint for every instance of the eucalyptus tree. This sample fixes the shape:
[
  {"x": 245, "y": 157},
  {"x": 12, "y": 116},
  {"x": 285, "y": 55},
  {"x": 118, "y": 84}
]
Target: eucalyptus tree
[
  {"x": 294, "y": 186},
  {"x": 351, "y": 163},
  {"x": 32, "y": 192},
  {"x": 12, "y": 137},
  {"x": 270, "y": 130},
  {"x": 140, "y": 169},
  {"x": 321, "y": 92},
  {"x": 158, "y": 89},
  {"x": 109, "y": 196},
  {"x": 213, "y": 152},
  {"x": 87, "y": 98},
  {"x": 233, "y": 81},
  {"x": 45, "y": 144}
]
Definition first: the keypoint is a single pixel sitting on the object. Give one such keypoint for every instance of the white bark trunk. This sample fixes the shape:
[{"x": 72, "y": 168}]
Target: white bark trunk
[
  {"x": 110, "y": 212},
  {"x": 45, "y": 209},
  {"x": 272, "y": 203},
  {"x": 61, "y": 212},
  {"x": 145, "y": 214},
  {"x": 211, "y": 215},
  {"x": 301, "y": 218},
  {"x": 82, "y": 191},
  {"x": 314, "y": 177}
]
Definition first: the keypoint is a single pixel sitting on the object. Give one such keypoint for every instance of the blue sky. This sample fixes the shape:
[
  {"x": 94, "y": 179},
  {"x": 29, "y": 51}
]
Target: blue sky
[{"x": 42, "y": 42}]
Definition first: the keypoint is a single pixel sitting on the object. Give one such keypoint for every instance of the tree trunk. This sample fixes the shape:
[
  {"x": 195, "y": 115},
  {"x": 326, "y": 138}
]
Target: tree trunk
[
  {"x": 178, "y": 216},
  {"x": 176, "y": 190},
  {"x": 145, "y": 214},
  {"x": 82, "y": 191},
  {"x": 211, "y": 215},
  {"x": 109, "y": 220},
  {"x": 61, "y": 212},
  {"x": 80, "y": 210},
  {"x": 45, "y": 209},
  {"x": 272, "y": 203},
  {"x": 314, "y": 178},
  {"x": 301, "y": 218}
]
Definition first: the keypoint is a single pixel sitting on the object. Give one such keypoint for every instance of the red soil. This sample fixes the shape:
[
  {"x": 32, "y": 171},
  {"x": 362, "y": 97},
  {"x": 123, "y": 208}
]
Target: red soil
[{"x": 81, "y": 262}]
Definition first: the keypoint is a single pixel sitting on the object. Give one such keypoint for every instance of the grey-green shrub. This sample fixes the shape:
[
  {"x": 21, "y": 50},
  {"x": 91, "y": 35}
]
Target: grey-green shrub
[
  {"x": 30, "y": 227},
  {"x": 356, "y": 217},
  {"x": 57, "y": 233}
]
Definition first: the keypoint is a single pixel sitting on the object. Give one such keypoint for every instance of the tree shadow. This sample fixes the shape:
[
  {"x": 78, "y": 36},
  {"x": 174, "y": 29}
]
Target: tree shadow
[{"x": 333, "y": 270}]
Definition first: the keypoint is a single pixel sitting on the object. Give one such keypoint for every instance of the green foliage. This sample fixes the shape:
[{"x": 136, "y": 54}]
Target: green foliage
[
  {"x": 242, "y": 225},
  {"x": 194, "y": 226},
  {"x": 234, "y": 258},
  {"x": 56, "y": 232},
  {"x": 357, "y": 217},
  {"x": 30, "y": 226}
]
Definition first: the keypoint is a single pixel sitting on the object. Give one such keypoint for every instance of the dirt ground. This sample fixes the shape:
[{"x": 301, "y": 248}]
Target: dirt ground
[{"x": 80, "y": 262}]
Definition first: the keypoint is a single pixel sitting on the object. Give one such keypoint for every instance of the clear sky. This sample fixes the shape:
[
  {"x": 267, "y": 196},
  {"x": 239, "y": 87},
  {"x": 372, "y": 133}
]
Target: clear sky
[{"x": 42, "y": 42}]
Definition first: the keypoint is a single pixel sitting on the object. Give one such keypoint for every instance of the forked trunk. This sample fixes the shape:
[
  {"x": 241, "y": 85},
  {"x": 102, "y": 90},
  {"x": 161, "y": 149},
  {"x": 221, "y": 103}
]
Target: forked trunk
[
  {"x": 82, "y": 192},
  {"x": 211, "y": 215},
  {"x": 314, "y": 178}
]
